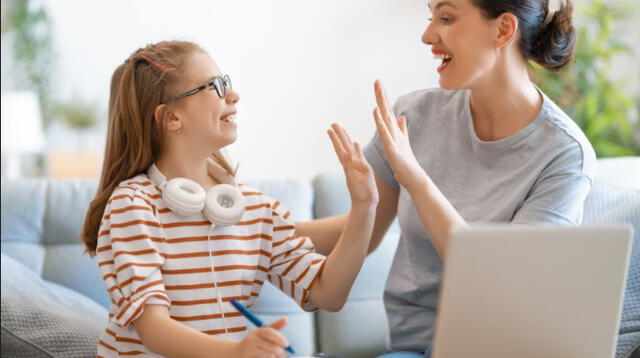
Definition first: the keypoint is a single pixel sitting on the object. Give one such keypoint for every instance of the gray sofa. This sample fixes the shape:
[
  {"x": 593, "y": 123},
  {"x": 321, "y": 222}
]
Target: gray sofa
[{"x": 54, "y": 302}]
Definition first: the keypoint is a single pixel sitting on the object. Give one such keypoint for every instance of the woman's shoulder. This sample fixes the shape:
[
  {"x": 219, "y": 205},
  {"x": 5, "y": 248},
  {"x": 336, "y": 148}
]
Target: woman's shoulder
[
  {"x": 568, "y": 138},
  {"x": 428, "y": 99}
]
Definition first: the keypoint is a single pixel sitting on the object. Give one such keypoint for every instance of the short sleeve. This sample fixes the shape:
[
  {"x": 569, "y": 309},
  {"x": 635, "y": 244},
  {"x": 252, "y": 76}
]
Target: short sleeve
[
  {"x": 558, "y": 194},
  {"x": 555, "y": 200},
  {"x": 294, "y": 263},
  {"x": 130, "y": 253}
]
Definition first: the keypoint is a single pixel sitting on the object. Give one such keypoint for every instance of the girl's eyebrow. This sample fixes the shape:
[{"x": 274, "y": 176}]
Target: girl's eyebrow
[{"x": 207, "y": 80}]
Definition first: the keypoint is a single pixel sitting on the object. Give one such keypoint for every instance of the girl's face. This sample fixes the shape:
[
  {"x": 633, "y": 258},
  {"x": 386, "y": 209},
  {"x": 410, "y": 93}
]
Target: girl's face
[
  {"x": 206, "y": 120},
  {"x": 464, "y": 40}
]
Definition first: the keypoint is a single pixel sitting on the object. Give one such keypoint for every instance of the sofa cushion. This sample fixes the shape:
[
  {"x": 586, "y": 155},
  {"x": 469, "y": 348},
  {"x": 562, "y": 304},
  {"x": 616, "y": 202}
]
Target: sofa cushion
[
  {"x": 610, "y": 203},
  {"x": 44, "y": 319},
  {"x": 41, "y": 221}
]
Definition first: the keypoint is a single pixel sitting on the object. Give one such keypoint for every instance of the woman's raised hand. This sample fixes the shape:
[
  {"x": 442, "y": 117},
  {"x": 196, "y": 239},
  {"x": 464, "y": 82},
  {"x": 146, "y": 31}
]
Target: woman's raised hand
[
  {"x": 395, "y": 140},
  {"x": 359, "y": 175}
]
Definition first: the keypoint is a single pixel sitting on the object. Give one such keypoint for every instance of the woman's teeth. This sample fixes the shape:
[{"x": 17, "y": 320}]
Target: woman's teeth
[
  {"x": 443, "y": 56},
  {"x": 446, "y": 58}
]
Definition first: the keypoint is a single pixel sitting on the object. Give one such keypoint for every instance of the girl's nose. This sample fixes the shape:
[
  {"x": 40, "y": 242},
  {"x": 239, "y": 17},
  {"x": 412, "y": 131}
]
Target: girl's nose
[{"x": 232, "y": 96}]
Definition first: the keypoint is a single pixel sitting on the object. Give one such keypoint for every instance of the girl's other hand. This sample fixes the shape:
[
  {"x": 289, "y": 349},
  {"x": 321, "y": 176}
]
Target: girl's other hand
[{"x": 265, "y": 342}]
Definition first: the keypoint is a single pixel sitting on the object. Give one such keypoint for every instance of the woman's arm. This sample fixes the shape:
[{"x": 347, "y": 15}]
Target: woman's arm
[
  {"x": 163, "y": 335},
  {"x": 334, "y": 281},
  {"x": 437, "y": 214},
  {"x": 326, "y": 232}
]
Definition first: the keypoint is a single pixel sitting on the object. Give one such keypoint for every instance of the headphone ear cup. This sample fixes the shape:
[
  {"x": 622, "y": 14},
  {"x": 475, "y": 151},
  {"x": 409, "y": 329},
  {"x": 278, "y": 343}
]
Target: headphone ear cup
[
  {"x": 184, "y": 196},
  {"x": 224, "y": 205}
]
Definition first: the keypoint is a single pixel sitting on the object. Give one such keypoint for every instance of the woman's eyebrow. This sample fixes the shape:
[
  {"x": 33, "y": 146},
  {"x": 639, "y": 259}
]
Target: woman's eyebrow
[{"x": 443, "y": 4}]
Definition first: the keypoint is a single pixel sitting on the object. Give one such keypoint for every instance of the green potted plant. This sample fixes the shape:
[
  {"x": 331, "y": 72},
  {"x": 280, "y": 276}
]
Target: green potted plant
[{"x": 77, "y": 115}]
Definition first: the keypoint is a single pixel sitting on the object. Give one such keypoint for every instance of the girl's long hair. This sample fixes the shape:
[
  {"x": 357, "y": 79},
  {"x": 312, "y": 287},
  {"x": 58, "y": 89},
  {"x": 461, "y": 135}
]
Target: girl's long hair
[{"x": 134, "y": 138}]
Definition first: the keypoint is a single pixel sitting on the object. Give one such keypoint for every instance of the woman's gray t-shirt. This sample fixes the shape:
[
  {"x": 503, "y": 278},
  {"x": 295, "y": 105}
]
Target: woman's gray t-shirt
[{"x": 541, "y": 174}]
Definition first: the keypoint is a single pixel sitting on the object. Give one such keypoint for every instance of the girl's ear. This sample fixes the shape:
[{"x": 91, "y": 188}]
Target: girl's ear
[
  {"x": 507, "y": 29},
  {"x": 174, "y": 123}
]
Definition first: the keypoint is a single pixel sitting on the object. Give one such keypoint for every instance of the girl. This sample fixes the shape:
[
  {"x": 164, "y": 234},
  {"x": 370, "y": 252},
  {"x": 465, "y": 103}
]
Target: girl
[
  {"x": 489, "y": 146},
  {"x": 171, "y": 257}
]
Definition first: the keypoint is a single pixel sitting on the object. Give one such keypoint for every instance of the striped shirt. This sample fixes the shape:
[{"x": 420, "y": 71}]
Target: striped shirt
[{"x": 149, "y": 255}]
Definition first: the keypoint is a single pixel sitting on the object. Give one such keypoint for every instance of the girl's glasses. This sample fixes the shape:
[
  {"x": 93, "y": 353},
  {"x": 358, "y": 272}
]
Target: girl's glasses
[{"x": 219, "y": 83}]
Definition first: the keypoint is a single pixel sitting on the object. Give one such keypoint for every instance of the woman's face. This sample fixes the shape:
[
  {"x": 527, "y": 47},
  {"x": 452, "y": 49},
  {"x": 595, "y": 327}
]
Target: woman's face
[
  {"x": 208, "y": 121},
  {"x": 464, "y": 40}
]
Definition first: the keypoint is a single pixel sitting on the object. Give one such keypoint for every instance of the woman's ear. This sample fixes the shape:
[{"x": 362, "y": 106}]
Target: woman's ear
[
  {"x": 507, "y": 29},
  {"x": 173, "y": 122}
]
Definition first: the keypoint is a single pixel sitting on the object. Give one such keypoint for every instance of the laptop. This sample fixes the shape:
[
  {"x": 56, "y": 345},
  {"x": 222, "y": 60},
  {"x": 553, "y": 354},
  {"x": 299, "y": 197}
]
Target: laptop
[{"x": 516, "y": 291}]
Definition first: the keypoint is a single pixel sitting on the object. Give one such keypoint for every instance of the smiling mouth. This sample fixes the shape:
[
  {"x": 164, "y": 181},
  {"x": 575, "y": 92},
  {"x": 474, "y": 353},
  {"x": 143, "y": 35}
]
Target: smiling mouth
[
  {"x": 228, "y": 118},
  {"x": 445, "y": 58}
]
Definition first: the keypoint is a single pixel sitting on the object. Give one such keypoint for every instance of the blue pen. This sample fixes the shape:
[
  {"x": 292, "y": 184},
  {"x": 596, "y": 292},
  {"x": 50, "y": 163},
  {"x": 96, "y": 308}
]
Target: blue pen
[{"x": 255, "y": 320}]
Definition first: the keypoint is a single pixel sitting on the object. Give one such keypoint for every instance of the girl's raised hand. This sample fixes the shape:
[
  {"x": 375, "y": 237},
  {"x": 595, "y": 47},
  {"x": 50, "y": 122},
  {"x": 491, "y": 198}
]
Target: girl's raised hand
[
  {"x": 359, "y": 175},
  {"x": 395, "y": 140}
]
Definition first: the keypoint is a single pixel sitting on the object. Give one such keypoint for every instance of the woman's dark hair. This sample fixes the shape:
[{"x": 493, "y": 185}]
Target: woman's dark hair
[{"x": 548, "y": 39}]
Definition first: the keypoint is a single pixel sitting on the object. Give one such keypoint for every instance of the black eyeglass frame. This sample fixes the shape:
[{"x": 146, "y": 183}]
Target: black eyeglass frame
[{"x": 219, "y": 83}]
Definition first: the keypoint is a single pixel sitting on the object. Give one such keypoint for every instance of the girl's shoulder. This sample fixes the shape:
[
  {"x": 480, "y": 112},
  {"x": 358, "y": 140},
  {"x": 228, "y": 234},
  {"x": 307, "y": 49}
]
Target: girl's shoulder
[
  {"x": 138, "y": 189},
  {"x": 257, "y": 199}
]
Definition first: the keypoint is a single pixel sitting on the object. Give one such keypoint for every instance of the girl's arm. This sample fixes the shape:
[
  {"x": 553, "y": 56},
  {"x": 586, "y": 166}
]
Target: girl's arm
[
  {"x": 333, "y": 283},
  {"x": 437, "y": 214},
  {"x": 163, "y": 335},
  {"x": 326, "y": 232}
]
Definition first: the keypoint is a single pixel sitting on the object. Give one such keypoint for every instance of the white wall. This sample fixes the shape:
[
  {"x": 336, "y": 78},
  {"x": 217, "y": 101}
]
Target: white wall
[{"x": 298, "y": 64}]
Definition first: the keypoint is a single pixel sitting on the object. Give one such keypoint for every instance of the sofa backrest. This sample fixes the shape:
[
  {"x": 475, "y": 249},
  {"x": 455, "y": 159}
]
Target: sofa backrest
[{"x": 41, "y": 220}]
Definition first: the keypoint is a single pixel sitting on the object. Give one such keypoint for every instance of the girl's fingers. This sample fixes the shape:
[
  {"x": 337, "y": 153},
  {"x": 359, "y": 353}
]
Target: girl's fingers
[
  {"x": 362, "y": 163},
  {"x": 344, "y": 137},
  {"x": 273, "y": 337},
  {"x": 336, "y": 142},
  {"x": 358, "y": 149},
  {"x": 343, "y": 156},
  {"x": 270, "y": 350},
  {"x": 266, "y": 351}
]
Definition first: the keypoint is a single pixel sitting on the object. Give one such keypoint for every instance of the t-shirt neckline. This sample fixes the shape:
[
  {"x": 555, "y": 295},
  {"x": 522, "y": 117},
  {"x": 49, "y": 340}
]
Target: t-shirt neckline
[{"x": 512, "y": 139}]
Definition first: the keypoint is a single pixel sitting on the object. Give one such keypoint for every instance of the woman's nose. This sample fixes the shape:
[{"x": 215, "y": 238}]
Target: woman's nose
[
  {"x": 429, "y": 37},
  {"x": 232, "y": 96}
]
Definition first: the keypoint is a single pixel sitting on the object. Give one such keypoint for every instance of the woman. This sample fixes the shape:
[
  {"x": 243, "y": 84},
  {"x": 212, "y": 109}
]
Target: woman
[{"x": 488, "y": 146}]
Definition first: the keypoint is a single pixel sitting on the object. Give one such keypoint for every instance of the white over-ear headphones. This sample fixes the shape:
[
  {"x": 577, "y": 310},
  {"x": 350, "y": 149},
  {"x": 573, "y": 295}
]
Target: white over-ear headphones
[{"x": 223, "y": 204}]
